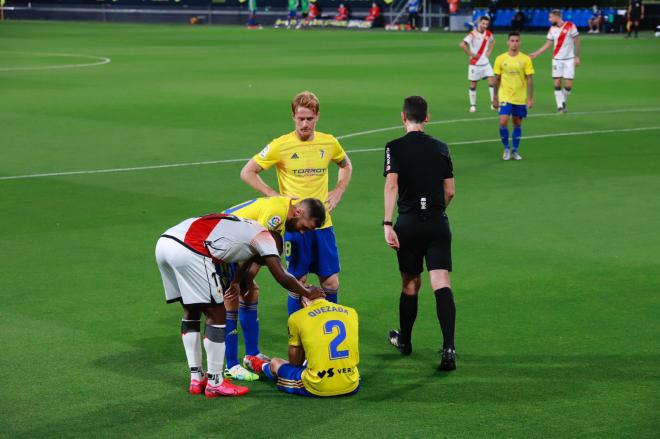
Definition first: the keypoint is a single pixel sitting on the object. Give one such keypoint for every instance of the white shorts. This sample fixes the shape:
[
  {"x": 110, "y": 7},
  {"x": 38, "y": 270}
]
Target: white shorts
[
  {"x": 477, "y": 73},
  {"x": 563, "y": 68},
  {"x": 188, "y": 277}
]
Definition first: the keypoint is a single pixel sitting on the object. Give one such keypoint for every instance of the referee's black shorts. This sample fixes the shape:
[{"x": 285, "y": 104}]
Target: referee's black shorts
[{"x": 421, "y": 239}]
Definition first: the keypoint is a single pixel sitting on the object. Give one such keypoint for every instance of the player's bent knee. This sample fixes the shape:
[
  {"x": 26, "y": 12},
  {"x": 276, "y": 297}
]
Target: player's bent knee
[
  {"x": 275, "y": 365},
  {"x": 439, "y": 279},
  {"x": 215, "y": 315},
  {"x": 192, "y": 313},
  {"x": 331, "y": 282},
  {"x": 411, "y": 284},
  {"x": 231, "y": 304}
]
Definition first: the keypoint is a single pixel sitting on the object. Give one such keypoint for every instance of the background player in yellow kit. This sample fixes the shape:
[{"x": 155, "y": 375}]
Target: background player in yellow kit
[
  {"x": 301, "y": 159},
  {"x": 327, "y": 335},
  {"x": 514, "y": 92},
  {"x": 276, "y": 214}
]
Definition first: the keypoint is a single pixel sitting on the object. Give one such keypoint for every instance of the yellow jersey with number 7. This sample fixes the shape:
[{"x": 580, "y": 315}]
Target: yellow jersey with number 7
[{"x": 302, "y": 167}]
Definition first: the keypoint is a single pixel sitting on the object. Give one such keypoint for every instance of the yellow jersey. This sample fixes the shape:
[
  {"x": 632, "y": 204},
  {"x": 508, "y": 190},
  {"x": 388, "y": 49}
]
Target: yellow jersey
[
  {"x": 329, "y": 335},
  {"x": 270, "y": 212},
  {"x": 302, "y": 167},
  {"x": 513, "y": 72}
]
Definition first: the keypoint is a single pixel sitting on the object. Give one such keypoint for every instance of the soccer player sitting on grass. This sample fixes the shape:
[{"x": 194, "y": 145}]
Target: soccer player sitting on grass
[
  {"x": 327, "y": 335},
  {"x": 187, "y": 255},
  {"x": 276, "y": 214}
]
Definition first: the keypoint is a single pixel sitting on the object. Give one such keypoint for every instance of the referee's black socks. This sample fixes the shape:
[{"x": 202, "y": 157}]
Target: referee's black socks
[
  {"x": 446, "y": 309},
  {"x": 407, "y": 316}
]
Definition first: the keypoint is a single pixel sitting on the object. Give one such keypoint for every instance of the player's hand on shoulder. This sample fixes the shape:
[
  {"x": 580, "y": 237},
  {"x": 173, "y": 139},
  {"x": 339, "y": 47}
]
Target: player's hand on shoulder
[
  {"x": 391, "y": 238},
  {"x": 315, "y": 292}
]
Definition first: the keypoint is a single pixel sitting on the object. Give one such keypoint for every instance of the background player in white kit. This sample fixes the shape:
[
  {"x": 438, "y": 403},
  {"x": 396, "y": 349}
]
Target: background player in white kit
[
  {"x": 187, "y": 255},
  {"x": 478, "y": 45},
  {"x": 564, "y": 37}
]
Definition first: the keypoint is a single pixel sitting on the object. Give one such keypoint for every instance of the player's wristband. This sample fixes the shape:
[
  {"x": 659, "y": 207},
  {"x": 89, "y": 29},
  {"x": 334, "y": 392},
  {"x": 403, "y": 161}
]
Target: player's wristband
[{"x": 387, "y": 223}]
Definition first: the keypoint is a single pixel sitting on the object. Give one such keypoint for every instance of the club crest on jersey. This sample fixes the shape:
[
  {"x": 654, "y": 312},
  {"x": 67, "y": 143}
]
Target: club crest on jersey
[
  {"x": 264, "y": 152},
  {"x": 295, "y": 156},
  {"x": 274, "y": 222}
]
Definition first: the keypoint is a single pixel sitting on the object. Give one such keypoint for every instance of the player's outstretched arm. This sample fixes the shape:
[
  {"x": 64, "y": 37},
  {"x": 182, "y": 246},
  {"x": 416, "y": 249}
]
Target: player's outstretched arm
[
  {"x": 289, "y": 282},
  {"x": 250, "y": 175},
  {"x": 541, "y": 49},
  {"x": 344, "y": 177}
]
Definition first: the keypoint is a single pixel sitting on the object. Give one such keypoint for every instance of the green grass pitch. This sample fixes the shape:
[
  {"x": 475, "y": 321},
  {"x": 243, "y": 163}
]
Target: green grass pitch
[{"x": 556, "y": 257}]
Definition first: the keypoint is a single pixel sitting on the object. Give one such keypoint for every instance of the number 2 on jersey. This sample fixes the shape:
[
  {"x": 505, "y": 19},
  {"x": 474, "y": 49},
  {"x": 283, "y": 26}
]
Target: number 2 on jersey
[{"x": 329, "y": 327}]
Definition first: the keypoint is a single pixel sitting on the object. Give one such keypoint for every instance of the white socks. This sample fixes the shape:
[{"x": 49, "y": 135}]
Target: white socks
[
  {"x": 567, "y": 92},
  {"x": 473, "y": 97},
  {"x": 192, "y": 344},
  {"x": 214, "y": 344},
  {"x": 559, "y": 98}
]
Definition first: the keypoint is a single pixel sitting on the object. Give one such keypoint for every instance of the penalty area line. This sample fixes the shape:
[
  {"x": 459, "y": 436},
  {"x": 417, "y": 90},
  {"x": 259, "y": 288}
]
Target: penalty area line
[{"x": 352, "y": 151}]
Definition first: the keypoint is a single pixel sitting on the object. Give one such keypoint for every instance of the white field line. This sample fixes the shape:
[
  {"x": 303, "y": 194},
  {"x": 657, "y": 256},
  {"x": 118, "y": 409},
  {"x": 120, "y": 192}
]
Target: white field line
[
  {"x": 216, "y": 162},
  {"x": 537, "y": 136},
  {"x": 479, "y": 119},
  {"x": 99, "y": 61}
]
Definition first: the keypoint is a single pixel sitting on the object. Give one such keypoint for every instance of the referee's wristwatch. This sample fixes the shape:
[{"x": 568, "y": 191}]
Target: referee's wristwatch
[{"x": 387, "y": 223}]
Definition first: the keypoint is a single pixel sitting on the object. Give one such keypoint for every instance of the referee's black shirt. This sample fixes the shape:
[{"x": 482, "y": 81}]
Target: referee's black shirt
[{"x": 423, "y": 163}]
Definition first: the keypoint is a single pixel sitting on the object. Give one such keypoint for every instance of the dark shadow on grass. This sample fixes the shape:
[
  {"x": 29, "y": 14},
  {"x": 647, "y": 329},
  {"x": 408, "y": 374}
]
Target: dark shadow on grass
[{"x": 510, "y": 379}]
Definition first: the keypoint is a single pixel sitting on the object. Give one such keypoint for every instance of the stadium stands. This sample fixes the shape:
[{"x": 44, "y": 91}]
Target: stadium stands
[{"x": 537, "y": 18}]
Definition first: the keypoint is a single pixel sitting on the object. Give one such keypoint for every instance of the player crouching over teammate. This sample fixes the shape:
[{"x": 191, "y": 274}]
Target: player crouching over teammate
[
  {"x": 327, "y": 335},
  {"x": 187, "y": 255},
  {"x": 277, "y": 214}
]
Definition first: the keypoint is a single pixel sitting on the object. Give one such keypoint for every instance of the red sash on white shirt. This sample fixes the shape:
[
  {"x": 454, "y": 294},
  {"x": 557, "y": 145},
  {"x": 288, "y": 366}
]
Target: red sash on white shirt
[
  {"x": 484, "y": 43},
  {"x": 562, "y": 36}
]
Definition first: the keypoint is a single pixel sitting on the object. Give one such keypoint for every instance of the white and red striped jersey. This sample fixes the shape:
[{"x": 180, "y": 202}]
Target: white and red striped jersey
[
  {"x": 564, "y": 38},
  {"x": 478, "y": 43},
  {"x": 224, "y": 238}
]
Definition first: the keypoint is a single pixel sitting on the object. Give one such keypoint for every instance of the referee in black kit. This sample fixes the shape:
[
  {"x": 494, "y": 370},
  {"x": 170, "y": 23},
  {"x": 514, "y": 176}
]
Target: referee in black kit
[{"x": 418, "y": 169}]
